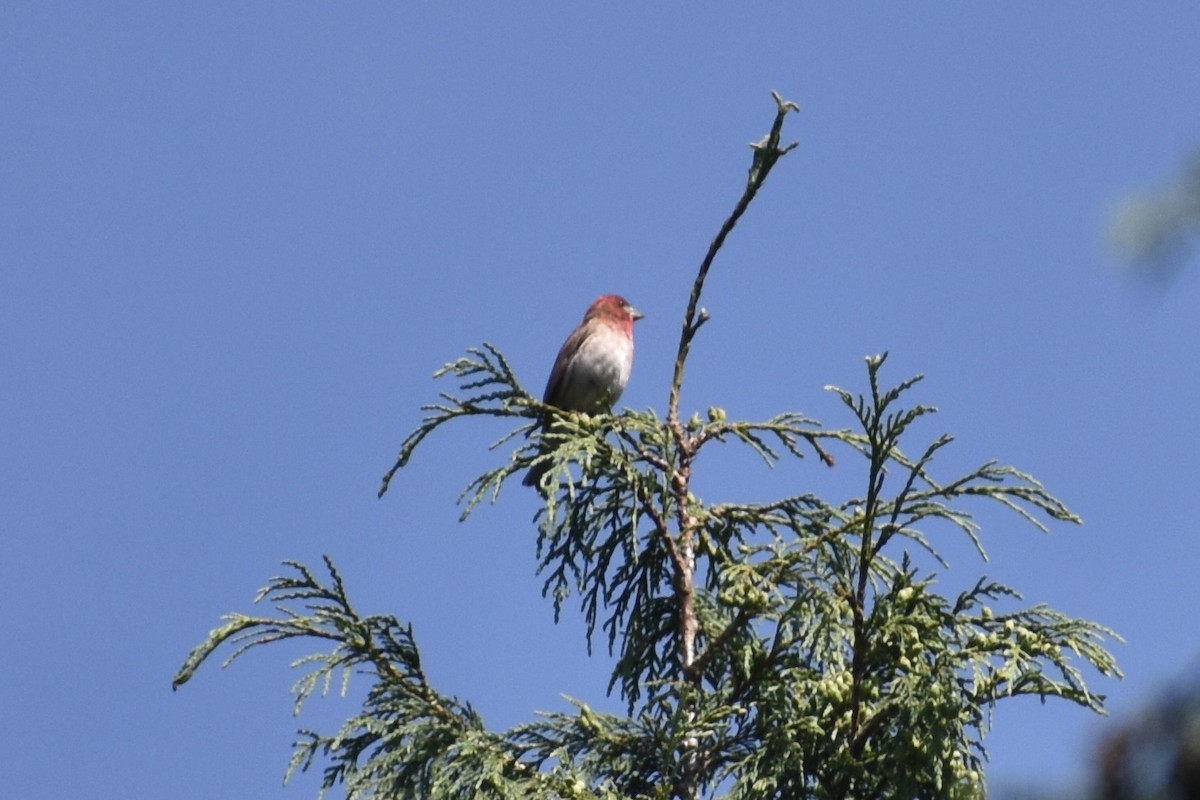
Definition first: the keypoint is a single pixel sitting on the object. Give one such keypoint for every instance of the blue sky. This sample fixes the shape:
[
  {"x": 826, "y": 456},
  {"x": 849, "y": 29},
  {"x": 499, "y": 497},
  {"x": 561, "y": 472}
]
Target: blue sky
[{"x": 237, "y": 239}]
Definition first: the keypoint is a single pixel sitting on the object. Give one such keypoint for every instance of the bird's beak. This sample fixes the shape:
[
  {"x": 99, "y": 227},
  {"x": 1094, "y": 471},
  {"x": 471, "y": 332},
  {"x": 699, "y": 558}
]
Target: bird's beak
[{"x": 635, "y": 314}]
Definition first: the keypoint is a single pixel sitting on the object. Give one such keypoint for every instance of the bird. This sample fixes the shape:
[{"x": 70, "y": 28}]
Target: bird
[{"x": 593, "y": 365}]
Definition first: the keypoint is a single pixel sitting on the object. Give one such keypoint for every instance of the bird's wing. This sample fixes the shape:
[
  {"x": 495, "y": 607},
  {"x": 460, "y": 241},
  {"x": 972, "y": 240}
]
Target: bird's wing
[{"x": 556, "y": 385}]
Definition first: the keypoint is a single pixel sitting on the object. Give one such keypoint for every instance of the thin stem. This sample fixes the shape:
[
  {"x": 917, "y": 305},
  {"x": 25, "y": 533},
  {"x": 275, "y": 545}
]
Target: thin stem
[
  {"x": 679, "y": 474},
  {"x": 766, "y": 153}
]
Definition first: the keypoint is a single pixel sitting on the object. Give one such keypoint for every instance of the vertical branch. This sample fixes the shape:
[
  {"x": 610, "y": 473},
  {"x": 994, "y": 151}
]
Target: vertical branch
[
  {"x": 766, "y": 153},
  {"x": 880, "y": 439},
  {"x": 865, "y": 556}
]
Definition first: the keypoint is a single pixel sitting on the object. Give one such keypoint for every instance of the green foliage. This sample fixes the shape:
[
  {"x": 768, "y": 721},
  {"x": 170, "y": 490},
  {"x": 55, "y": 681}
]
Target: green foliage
[
  {"x": 1152, "y": 229},
  {"x": 786, "y": 649},
  {"x": 1155, "y": 753}
]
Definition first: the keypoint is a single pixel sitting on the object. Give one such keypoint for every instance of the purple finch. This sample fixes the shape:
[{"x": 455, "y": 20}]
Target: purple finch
[{"x": 593, "y": 364}]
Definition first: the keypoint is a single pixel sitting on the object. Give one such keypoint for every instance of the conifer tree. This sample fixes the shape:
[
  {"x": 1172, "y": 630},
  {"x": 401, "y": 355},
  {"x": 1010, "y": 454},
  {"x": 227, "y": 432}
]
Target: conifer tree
[{"x": 784, "y": 649}]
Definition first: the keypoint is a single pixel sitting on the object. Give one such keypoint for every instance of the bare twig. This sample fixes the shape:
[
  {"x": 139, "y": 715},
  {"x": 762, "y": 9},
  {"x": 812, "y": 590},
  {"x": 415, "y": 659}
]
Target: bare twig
[{"x": 766, "y": 153}]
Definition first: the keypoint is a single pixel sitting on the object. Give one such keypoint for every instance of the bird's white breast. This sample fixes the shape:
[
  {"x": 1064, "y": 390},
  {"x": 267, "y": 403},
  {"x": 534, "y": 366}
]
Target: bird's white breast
[{"x": 599, "y": 372}]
